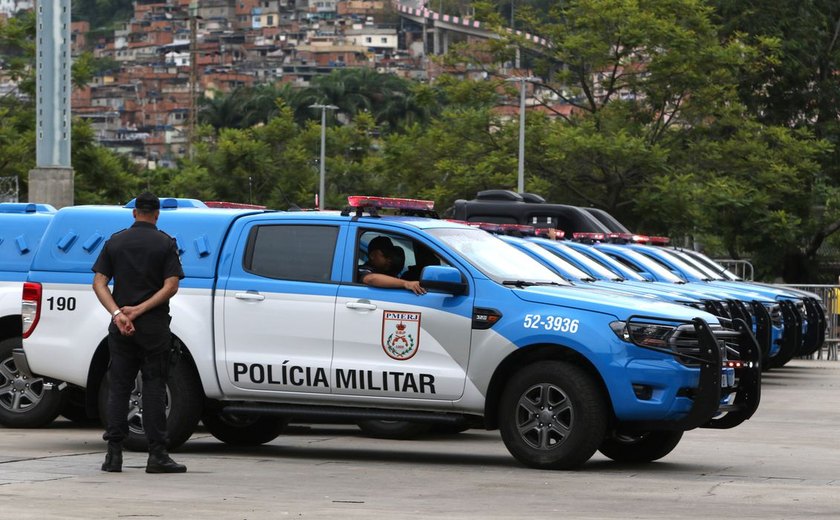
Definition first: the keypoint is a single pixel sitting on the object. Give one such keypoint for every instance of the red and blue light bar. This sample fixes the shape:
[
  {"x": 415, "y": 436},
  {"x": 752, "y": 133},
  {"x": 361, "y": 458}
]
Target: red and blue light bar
[{"x": 363, "y": 201}]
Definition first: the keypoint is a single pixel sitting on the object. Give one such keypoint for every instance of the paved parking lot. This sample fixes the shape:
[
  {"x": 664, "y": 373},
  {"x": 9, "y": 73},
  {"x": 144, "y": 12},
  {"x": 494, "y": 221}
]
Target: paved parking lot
[{"x": 784, "y": 463}]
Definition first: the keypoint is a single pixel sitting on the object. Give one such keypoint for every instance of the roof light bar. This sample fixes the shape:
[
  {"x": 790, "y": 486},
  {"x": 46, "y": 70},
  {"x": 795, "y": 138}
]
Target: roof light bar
[
  {"x": 629, "y": 237},
  {"x": 362, "y": 201},
  {"x": 547, "y": 232},
  {"x": 488, "y": 226},
  {"x": 522, "y": 228},
  {"x": 231, "y": 205},
  {"x": 595, "y": 237},
  {"x": 659, "y": 241}
]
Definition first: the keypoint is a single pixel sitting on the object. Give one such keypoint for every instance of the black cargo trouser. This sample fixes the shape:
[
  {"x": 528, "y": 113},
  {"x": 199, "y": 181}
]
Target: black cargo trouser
[{"x": 147, "y": 352}]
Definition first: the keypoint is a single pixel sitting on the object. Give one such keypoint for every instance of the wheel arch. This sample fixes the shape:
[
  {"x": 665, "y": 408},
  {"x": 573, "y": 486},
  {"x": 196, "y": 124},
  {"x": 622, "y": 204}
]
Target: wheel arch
[
  {"x": 99, "y": 367},
  {"x": 533, "y": 354},
  {"x": 11, "y": 327}
]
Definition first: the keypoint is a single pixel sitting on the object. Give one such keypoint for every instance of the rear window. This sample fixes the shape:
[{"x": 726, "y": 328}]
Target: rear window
[{"x": 291, "y": 252}]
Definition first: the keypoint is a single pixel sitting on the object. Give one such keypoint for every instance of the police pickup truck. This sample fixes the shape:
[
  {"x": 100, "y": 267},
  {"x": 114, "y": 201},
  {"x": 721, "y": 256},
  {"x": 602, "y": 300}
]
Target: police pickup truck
[
  {"x": 273, "y": 324},
  {"x": 24, "y": 401}
]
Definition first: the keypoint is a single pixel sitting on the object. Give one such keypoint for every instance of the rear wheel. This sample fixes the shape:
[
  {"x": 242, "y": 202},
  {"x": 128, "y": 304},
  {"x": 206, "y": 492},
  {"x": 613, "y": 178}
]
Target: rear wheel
[
  {"x": 399, "y": 430},
  {"x": 243, "y": 430},
  {"x": 184, "y": 406},
  {"x": 640, "y": 446},
  {"x": 552, "y": 415},
  {"x": 25, "y": 402}
]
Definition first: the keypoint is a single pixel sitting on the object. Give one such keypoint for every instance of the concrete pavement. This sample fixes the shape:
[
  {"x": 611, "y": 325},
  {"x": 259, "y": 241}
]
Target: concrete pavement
[{"x": 784, "y": 463}]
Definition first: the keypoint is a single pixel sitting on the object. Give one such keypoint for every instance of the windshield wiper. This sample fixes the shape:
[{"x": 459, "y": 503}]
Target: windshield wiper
[
  {"x": 525, "y": 283},
  {"x": 518, "y": 283}
]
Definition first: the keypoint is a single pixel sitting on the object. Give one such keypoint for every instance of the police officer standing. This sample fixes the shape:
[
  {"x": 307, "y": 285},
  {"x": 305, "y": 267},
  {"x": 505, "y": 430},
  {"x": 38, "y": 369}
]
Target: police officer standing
[{"x": 144, "y": 264}]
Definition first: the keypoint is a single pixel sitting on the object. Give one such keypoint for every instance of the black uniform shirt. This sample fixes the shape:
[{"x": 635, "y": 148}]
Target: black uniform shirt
[{"x": 139, "y": 259}]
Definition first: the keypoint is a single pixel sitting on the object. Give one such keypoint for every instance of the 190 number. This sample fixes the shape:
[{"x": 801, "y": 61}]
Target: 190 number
[
  {"x": 61, "y": 303},
  {"x": 556, "y": 323}
]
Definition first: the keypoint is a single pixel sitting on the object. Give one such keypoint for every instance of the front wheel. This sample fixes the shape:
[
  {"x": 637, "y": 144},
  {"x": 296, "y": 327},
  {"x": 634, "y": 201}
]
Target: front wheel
[
  {"x": 641, "y": 446},
  {"x": 243, "y": 430},
  {"x": 552, "y": 415},
  {"x": 184, "y": 406},
  {"x": 25, "y": 402}
]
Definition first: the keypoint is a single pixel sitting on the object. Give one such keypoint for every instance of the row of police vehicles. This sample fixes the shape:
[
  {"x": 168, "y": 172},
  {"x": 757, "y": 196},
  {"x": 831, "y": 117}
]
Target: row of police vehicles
[{"x": 568, "y": 347}]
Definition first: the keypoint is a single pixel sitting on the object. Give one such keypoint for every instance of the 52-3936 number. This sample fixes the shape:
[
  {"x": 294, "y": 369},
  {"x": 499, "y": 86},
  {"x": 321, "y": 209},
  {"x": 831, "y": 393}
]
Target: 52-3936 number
[{"x": 556, "y": 323}]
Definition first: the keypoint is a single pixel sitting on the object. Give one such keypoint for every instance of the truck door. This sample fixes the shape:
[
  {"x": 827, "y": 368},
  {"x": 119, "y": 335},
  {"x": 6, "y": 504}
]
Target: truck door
[
  {"x": 391, "y": 343},
  {"x": 277, "y": 309}
]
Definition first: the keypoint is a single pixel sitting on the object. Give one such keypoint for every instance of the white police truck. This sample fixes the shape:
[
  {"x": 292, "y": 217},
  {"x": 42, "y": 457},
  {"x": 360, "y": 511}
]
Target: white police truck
[
  {"x": 273, "y": 324},
  {"x": 25, "y": 401}
]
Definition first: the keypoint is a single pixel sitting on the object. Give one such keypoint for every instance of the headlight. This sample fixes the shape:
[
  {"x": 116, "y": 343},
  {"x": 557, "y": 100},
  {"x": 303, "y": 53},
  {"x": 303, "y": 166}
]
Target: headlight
[{"x": 643, "y": 334}]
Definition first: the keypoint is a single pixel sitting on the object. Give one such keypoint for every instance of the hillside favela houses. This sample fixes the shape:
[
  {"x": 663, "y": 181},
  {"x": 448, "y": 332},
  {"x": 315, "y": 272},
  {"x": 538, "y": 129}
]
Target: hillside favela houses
[
  {"x": 139, "y": 102},
  {"x": 141, "y": 105}
]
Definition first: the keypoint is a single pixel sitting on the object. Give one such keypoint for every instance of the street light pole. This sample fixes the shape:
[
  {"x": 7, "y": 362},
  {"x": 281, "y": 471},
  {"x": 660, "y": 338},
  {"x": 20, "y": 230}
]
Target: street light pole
[
  {"x": 322, "y": 185},
  {"x": 520, "y": 184}
]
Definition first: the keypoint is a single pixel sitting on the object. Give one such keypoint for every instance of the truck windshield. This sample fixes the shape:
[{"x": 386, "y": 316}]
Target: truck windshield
[
  {"x": 499, "y": 261},
  {"x": 645, "y": 263}
]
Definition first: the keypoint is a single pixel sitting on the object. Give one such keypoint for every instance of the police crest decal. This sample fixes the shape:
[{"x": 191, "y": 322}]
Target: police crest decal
[{"x": 400, "y": 334}]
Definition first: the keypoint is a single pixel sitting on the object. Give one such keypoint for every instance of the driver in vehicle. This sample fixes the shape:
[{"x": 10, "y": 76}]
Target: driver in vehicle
[{"x": 385, "y": 261}]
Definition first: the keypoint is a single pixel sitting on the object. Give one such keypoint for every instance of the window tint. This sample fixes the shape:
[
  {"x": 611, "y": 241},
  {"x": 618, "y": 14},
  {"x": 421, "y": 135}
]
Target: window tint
[{"x": 291, "y": 252}]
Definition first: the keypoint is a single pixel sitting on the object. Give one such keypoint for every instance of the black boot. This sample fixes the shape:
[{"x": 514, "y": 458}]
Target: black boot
[
  {"x": 113, "y": 459},
  {"x": 161, "y": 462}
]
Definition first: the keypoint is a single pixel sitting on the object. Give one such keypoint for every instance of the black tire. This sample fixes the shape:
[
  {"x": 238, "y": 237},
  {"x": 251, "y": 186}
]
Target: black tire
[
  {"x": 73, "y": 406},
  {"x": 24, "y": 402},
  {"x": 184, "y": 407},
  {"x": 396, "y": 430},
  {"x": 244, "y": 430},
  {"x": 552, "y": 415},
  {"x": 640, "y": 447}
]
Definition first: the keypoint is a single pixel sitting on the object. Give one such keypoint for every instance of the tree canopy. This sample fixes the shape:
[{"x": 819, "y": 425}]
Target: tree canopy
[{"x": 711, "y": 121}]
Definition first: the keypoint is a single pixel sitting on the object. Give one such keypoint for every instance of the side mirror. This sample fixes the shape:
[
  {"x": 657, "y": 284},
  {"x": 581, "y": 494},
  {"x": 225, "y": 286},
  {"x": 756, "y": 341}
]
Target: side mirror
[{"x": 442, "y": 278}]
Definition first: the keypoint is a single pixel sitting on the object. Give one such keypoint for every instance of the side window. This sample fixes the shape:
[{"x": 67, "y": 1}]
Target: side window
[
  {"x": 412, "y": 256},
  {"x": 291, "y": 252}
]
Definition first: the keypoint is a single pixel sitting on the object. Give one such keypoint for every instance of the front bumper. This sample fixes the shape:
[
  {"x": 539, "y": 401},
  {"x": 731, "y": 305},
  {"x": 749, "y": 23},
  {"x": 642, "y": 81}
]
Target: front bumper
[{"x": 713, "y": 405}]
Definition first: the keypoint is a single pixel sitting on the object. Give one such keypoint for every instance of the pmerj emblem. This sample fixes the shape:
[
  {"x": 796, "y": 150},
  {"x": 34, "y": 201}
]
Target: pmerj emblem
[{"x": 400, "y": 334}]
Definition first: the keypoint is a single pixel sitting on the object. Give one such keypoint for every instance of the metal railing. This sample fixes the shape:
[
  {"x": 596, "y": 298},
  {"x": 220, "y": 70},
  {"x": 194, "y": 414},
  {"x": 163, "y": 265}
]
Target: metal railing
[
  {"x": 742, "y": 268},
  {"x": 830, "y": 296}
]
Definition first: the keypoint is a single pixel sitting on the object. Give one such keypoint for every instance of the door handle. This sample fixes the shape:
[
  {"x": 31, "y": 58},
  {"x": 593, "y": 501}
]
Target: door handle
[
  {"x": 366, "y": 306},
  {"x": 249, "y": 296}
]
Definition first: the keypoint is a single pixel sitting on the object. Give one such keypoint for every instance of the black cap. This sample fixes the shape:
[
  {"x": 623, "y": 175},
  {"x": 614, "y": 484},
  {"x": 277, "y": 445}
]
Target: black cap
[
  {"x": 381, "y": 243},
  {"x": 147, "y": 201}
]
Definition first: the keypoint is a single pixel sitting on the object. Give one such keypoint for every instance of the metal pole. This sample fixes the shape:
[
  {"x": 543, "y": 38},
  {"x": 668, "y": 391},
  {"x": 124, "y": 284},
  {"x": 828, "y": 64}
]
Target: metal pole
[
  {"x": 322, "y": 190},
  {"x": 511, "y": 14},
  {"x": 192, "y": 123},
  {"x": 520, "y": 184},
  {"x": 322, "y": 182}
]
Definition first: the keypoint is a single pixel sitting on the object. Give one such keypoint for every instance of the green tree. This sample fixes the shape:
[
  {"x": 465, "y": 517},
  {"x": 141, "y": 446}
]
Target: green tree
[
  {"x": 797, "y": 88},
  {"x": 653, "y": 129}
]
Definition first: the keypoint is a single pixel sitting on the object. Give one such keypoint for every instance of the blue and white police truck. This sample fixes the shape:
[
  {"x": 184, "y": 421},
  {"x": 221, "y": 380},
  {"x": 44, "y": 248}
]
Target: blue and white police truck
[
  {"x": 273, "y": 324},
  {"x": 25, "y": 401}
]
